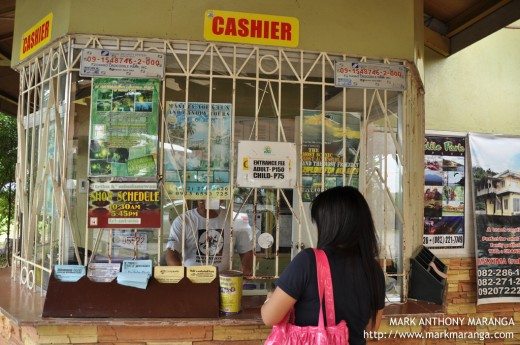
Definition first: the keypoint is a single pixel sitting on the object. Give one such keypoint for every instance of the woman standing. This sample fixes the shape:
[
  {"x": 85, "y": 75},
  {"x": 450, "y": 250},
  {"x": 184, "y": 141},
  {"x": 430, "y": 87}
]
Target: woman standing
[{"x": 347, "y": 234}]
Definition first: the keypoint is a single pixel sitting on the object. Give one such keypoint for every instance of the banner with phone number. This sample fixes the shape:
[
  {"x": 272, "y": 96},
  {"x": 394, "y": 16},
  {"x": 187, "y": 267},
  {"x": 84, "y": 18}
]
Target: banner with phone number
[
  {"x": 495, "y": 161},
  {"x": 444, "y": 189}
]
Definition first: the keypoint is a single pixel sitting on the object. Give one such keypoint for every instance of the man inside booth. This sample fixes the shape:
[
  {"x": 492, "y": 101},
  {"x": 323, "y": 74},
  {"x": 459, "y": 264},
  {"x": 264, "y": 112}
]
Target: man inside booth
[{"x": 211, "y": 247}]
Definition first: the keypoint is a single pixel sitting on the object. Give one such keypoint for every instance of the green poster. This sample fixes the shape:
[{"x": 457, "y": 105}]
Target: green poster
[
  {"x": 124, "y": 128},
  {"x": 341, "y": 144}
]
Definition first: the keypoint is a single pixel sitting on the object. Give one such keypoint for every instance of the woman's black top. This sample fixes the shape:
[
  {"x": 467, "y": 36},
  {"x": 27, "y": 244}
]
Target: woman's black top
[{"x": 351, "y": 290}]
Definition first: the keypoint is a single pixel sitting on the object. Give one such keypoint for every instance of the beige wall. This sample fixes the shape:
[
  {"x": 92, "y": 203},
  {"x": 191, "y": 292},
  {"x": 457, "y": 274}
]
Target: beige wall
[
  {"x": 376, "y": 28},
  {"x": 29, "y": 12},
  {"x": 477, "y": 89}
]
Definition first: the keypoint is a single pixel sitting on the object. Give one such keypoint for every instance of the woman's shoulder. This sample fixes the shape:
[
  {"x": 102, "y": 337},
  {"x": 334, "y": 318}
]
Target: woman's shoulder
[{"x": 304, "y": 256}]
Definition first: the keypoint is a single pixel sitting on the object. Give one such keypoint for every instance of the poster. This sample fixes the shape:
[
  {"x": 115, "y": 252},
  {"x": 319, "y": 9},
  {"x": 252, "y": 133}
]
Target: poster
[
  {"x": 124, "y": 205},
  {"x": 495, "y": 164},
  {"x": 123, "y": 128},
  {"x": 266, "y": 164},
  {"x": 339, "y": 162},
  {"x": 199, "y": 164},
  {"x": 444, "y": 187}
]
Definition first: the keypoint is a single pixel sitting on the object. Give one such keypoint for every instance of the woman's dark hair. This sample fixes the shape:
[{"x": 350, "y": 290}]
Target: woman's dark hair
[{"x": 344, "y": 221}]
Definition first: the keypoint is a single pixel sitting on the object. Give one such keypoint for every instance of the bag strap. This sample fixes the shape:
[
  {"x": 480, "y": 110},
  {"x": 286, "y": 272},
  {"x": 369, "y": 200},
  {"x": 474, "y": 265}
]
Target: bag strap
[{"x": 325, "y": 289}]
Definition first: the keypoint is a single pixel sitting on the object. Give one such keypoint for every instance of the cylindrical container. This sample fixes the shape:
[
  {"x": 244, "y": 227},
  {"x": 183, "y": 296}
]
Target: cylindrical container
[{"x": 231, "y": 291}]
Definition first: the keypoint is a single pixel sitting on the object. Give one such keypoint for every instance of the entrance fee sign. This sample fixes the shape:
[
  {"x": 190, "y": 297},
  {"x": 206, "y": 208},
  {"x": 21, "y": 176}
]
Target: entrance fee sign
[
  {"x": 355, "y": 74},
  {"x": 116, "y": 63},
  {"x": 266, "y": 164},
  {"x": 124, "y": 205}
]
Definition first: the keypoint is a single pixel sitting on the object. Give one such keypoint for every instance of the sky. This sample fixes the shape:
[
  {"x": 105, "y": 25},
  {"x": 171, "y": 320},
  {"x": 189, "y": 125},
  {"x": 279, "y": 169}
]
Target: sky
[{"x": 495, "y": 152}]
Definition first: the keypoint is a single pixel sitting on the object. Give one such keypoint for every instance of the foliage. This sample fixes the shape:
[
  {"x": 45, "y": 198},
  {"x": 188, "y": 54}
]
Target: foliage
[
  {"x": 8, "y": 156},
  {"x": 480, "y": 177}
]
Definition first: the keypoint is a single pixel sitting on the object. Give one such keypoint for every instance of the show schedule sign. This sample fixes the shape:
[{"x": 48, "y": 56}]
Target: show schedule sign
[
  {"x": 444, "y": 191},
  {"x": 199, "y": 164},
  {"x": 124, "y": 205},
  {"x": 496, "y": 180},
  {"x": 124, "y": 128},
  {"x": 339, "y": 158}
]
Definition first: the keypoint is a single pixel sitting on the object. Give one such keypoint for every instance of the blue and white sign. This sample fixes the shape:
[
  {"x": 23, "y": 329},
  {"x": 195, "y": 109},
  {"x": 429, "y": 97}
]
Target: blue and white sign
[
  {"x": 354, "y": 74},
  {"x": 121, "y": 63}
]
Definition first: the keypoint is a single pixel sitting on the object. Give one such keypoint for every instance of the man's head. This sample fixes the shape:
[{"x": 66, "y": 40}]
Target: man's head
[{"x": 213, "y": 206}]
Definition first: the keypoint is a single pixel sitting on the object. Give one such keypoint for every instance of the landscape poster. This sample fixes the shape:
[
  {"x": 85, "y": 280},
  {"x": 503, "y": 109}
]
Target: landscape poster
[
  {"x": 123, "y": 128},
  {"x": 197, "y": 150}
]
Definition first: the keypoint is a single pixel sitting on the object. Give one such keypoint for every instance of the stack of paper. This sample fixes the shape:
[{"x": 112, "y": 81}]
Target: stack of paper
[
  {"x": 138, "y": 280},
  {"x": 69, "y": 273},
  {"x": 137, "y": 266},
  {"x": 103, "y": 272},
  {"x": 135, "y": 273}
]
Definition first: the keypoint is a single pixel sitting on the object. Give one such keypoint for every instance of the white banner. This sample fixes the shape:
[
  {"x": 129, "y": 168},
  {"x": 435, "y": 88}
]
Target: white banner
[
  {"x": 354, "y": 74},
  {"x": 125, "y": 64}
]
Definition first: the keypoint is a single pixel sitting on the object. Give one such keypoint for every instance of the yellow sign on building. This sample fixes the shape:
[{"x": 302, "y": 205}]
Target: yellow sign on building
[
  {"x": 251, "y": 28},
  {"x": 36, "y": 37}
]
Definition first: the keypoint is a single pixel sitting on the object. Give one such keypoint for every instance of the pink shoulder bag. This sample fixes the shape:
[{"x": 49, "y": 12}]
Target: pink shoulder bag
[{"x": 286, "y": 333}]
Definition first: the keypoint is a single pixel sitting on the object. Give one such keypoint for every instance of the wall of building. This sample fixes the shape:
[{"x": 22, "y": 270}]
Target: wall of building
[
  {"x": 376, "y": 28},
  {"x": 476, "y": 89}
]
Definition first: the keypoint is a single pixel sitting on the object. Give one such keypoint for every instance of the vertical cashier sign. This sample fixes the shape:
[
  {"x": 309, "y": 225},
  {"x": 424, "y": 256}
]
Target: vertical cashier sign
[
  {"x": 266, "y": 164},
  {"x": 36, "y": 37}
]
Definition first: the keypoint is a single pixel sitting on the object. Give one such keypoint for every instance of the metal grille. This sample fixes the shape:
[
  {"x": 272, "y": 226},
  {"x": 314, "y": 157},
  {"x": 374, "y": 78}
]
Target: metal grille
[{"x": 270, "y": 89}]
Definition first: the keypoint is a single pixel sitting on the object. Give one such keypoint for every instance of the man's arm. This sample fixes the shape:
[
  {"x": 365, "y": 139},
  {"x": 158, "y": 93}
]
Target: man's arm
[
  {"x": 172, "y": 257},
  {"x": 247, "y": 263}
]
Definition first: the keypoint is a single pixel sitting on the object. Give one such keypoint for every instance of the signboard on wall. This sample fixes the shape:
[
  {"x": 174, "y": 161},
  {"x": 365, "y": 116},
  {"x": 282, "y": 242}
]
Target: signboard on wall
[
  {"x": 124, "y": 205},
  {"x": 251, "y": 28},
  {"x": 444, "y": 191},
  {"x": 266, "y": 164},
  {"x": 355, "y": 74},
  {"x": 123, "y": 128},
  {"x": 205, "y": 161},
  {"x": 495, "y": 164},
  {"x": 36, "y": 37},
  {"x": 337, "y": 160},
  {"x": 121, "y": 63}
]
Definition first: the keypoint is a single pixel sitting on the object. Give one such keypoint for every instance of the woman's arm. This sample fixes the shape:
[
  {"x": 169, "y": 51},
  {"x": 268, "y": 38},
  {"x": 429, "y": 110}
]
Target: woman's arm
[
  {"x": 375, "y": 326},
  {"x": 276, "y": 306}
]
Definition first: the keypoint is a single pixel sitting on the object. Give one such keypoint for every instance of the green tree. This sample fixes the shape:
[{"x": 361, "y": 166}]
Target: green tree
[{"x": 8, "y": 155}]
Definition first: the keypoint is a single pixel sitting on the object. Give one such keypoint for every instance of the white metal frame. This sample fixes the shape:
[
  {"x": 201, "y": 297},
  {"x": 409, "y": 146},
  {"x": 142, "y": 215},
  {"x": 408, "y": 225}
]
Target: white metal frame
[{"x": 268, "y": 69}]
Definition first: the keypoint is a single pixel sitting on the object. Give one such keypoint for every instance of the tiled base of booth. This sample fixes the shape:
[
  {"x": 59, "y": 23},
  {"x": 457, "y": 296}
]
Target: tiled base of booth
[{"x": 21, "y": 322}]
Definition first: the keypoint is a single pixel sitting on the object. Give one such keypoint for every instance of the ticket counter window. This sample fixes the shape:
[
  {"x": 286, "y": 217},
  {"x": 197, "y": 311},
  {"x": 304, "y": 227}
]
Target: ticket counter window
[{"x": 212, "y": 97}]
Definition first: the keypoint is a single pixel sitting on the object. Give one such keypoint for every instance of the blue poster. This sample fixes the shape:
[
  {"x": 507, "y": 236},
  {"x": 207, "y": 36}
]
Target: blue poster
[{"x": 202, "y": 168}]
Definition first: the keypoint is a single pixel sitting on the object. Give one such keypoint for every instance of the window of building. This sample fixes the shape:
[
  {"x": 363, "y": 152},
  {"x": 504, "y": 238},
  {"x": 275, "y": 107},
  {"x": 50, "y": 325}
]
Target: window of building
[{"x": 270, "y": 94}]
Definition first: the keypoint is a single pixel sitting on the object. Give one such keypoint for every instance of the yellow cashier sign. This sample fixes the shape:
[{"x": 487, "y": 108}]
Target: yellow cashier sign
[
  {"x": 251, "y": 28},
  {"x": 36, "y": 37}
]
